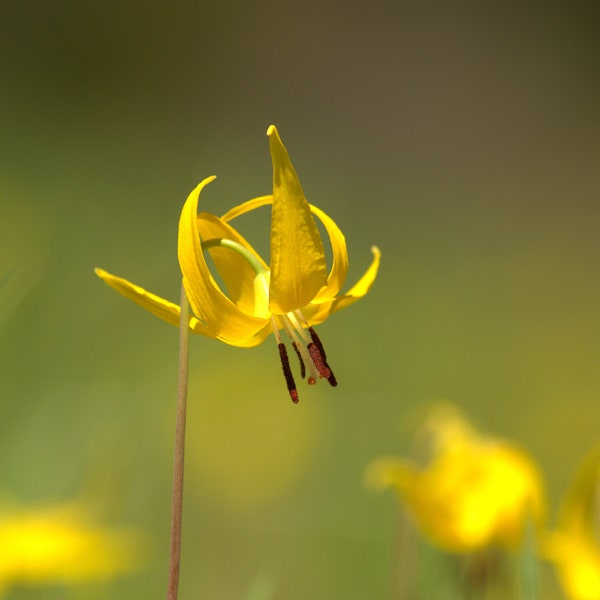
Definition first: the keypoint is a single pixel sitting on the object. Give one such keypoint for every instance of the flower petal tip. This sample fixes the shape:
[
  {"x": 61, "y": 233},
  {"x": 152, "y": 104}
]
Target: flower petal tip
[
  {"x": 376, "y": 251},
  {"x": 275, "y": 142}
]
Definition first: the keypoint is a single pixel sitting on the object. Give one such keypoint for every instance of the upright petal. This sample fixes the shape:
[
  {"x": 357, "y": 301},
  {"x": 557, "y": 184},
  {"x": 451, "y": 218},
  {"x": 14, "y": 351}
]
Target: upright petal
[
  {"x": 298, "y": 268},
  {"x": 339, "y": 267},
  {"x": 222, "y": 317}
]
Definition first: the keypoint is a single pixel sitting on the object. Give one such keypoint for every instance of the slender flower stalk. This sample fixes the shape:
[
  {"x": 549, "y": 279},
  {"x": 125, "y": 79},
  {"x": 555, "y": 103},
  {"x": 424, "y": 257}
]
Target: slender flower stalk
[{"x": 179, "y": 454}]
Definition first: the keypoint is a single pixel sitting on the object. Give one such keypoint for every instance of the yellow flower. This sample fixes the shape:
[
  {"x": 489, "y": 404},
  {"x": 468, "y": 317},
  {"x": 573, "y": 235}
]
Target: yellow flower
[
  {"x": 575, "y": 547},
  {"x": 59, "y": 544},
  {"x": 293, "y": 293},
  {"x": 475, "y": 491}
]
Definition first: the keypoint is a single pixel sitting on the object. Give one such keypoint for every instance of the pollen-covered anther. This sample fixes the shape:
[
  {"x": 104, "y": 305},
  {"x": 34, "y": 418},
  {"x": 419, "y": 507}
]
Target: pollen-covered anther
[
  {"x": 319, "y": 361},
  {"x": 319, "y": 347},
  {"x": 287, "y": 372}
]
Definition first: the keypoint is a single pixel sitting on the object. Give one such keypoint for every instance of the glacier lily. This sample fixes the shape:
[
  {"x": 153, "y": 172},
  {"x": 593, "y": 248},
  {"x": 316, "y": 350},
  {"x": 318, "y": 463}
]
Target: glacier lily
[
  {"x": 61, "y": 544},
  {"x": 292, "y": 294},
  {"x": 295, "y": 292},
  {"x": 476, "y": 491},
  {"x": 574, "y": 547}
]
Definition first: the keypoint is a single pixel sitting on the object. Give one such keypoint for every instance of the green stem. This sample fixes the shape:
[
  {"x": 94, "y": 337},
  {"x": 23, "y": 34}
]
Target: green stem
[
  {"x": 528, "y": 566},
  {"x": 236, "y": 247},
  {"x": 177, "y": 501},
  {"x": 179, "y": 454}
]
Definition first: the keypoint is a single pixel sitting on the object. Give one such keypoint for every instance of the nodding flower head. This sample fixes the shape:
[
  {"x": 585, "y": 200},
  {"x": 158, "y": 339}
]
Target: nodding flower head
[{"x": 289, "y": 296}]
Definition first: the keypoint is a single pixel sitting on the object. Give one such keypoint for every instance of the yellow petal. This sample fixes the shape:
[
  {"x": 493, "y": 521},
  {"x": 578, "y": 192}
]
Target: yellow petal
[
  {"x": 577, "y": 562},
  {"x": 317, "y": 312},
  {"x": 298, "y": 269},
  {"x": 61, "y": 544},
  {"x": 246, "y": 207},
  {"x": 339, "y": 268},
  {"x": 235, "y": 271},
  {"x": 579, "y": 508},
  {"x": 159, "y": 307},
  {"x": 224, "y": 320},
  {"x": 169, "y": 312}
]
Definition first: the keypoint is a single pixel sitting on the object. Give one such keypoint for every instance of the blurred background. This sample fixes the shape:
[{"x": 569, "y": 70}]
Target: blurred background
[{"x": 462, "y": 139}]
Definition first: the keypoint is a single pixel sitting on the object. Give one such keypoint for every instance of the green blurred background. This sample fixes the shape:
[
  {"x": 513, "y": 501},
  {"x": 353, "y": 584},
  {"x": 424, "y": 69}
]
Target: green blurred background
[{"x": 460, "y": 138}]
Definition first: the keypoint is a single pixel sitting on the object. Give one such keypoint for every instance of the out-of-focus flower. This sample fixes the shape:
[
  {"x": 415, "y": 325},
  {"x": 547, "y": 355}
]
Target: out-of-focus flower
[
  {"x": 60, "y": 544},
  {"x": 473, "y": 492},
  {"x": 574, "y": 547},
  {"x": 293, "y": 293}
]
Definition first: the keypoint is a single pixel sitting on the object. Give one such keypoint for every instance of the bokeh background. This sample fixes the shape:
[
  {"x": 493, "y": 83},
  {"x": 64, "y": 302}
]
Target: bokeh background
[{"x": 461, "y": 138}]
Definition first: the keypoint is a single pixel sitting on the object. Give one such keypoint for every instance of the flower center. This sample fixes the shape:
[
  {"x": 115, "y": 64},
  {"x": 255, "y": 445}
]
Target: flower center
[
  {"x": 308, "y": 348},
  {"x": 305, "y": 341}
]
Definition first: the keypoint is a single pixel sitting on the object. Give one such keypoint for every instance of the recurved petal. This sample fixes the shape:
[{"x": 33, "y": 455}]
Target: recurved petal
[
  {"x": 317, "y": 312},
  {"x": 298, "y": 269},
  {"x": 250, "y": 342},
  {"x": 222, "y": 317},
  {"x": 246, "y": 207},
  {"x": 339, "y": 267},
  {"x": 235, "y": 271},
  {"x": 159, "y": 307}
]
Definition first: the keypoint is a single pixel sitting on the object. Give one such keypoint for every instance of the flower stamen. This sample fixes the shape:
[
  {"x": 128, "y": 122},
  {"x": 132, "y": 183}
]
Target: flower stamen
[
  {"x": 317, "y": 342},
  {"x": 302, "y": 365},
  {"x": 287, "y": 372},
  {"x": 293, "y": 329},
  {"x": 319, "y": 361}
]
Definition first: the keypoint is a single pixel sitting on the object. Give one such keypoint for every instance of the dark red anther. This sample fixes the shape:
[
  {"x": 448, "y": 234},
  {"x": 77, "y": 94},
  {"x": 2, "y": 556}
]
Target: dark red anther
[
  {"x": 315, "y": 338},
  {"x": 287, "y": 372},
  {"x": 302, "y": 366},
  {"x": 318, "y": 361},
  {"x": 319, "y": 346}
]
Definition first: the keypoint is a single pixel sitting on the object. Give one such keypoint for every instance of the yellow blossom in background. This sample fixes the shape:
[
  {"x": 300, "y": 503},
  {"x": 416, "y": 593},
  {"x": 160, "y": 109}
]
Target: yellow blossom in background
[
  {"x": 293, "y": 293},
  {"x": 574, "y": 547},
  {"x": 60, "y": 544},
  {"x": 472, "y": 491}
]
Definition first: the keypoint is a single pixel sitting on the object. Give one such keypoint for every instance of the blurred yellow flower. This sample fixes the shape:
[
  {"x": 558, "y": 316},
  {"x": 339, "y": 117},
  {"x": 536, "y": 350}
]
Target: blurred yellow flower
[
  {"x": 293, "y": 293},
  {"x": 474, "y": 491},
  {"x": 61, "y": 545},
  {"x": 575, "y": 547}
]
